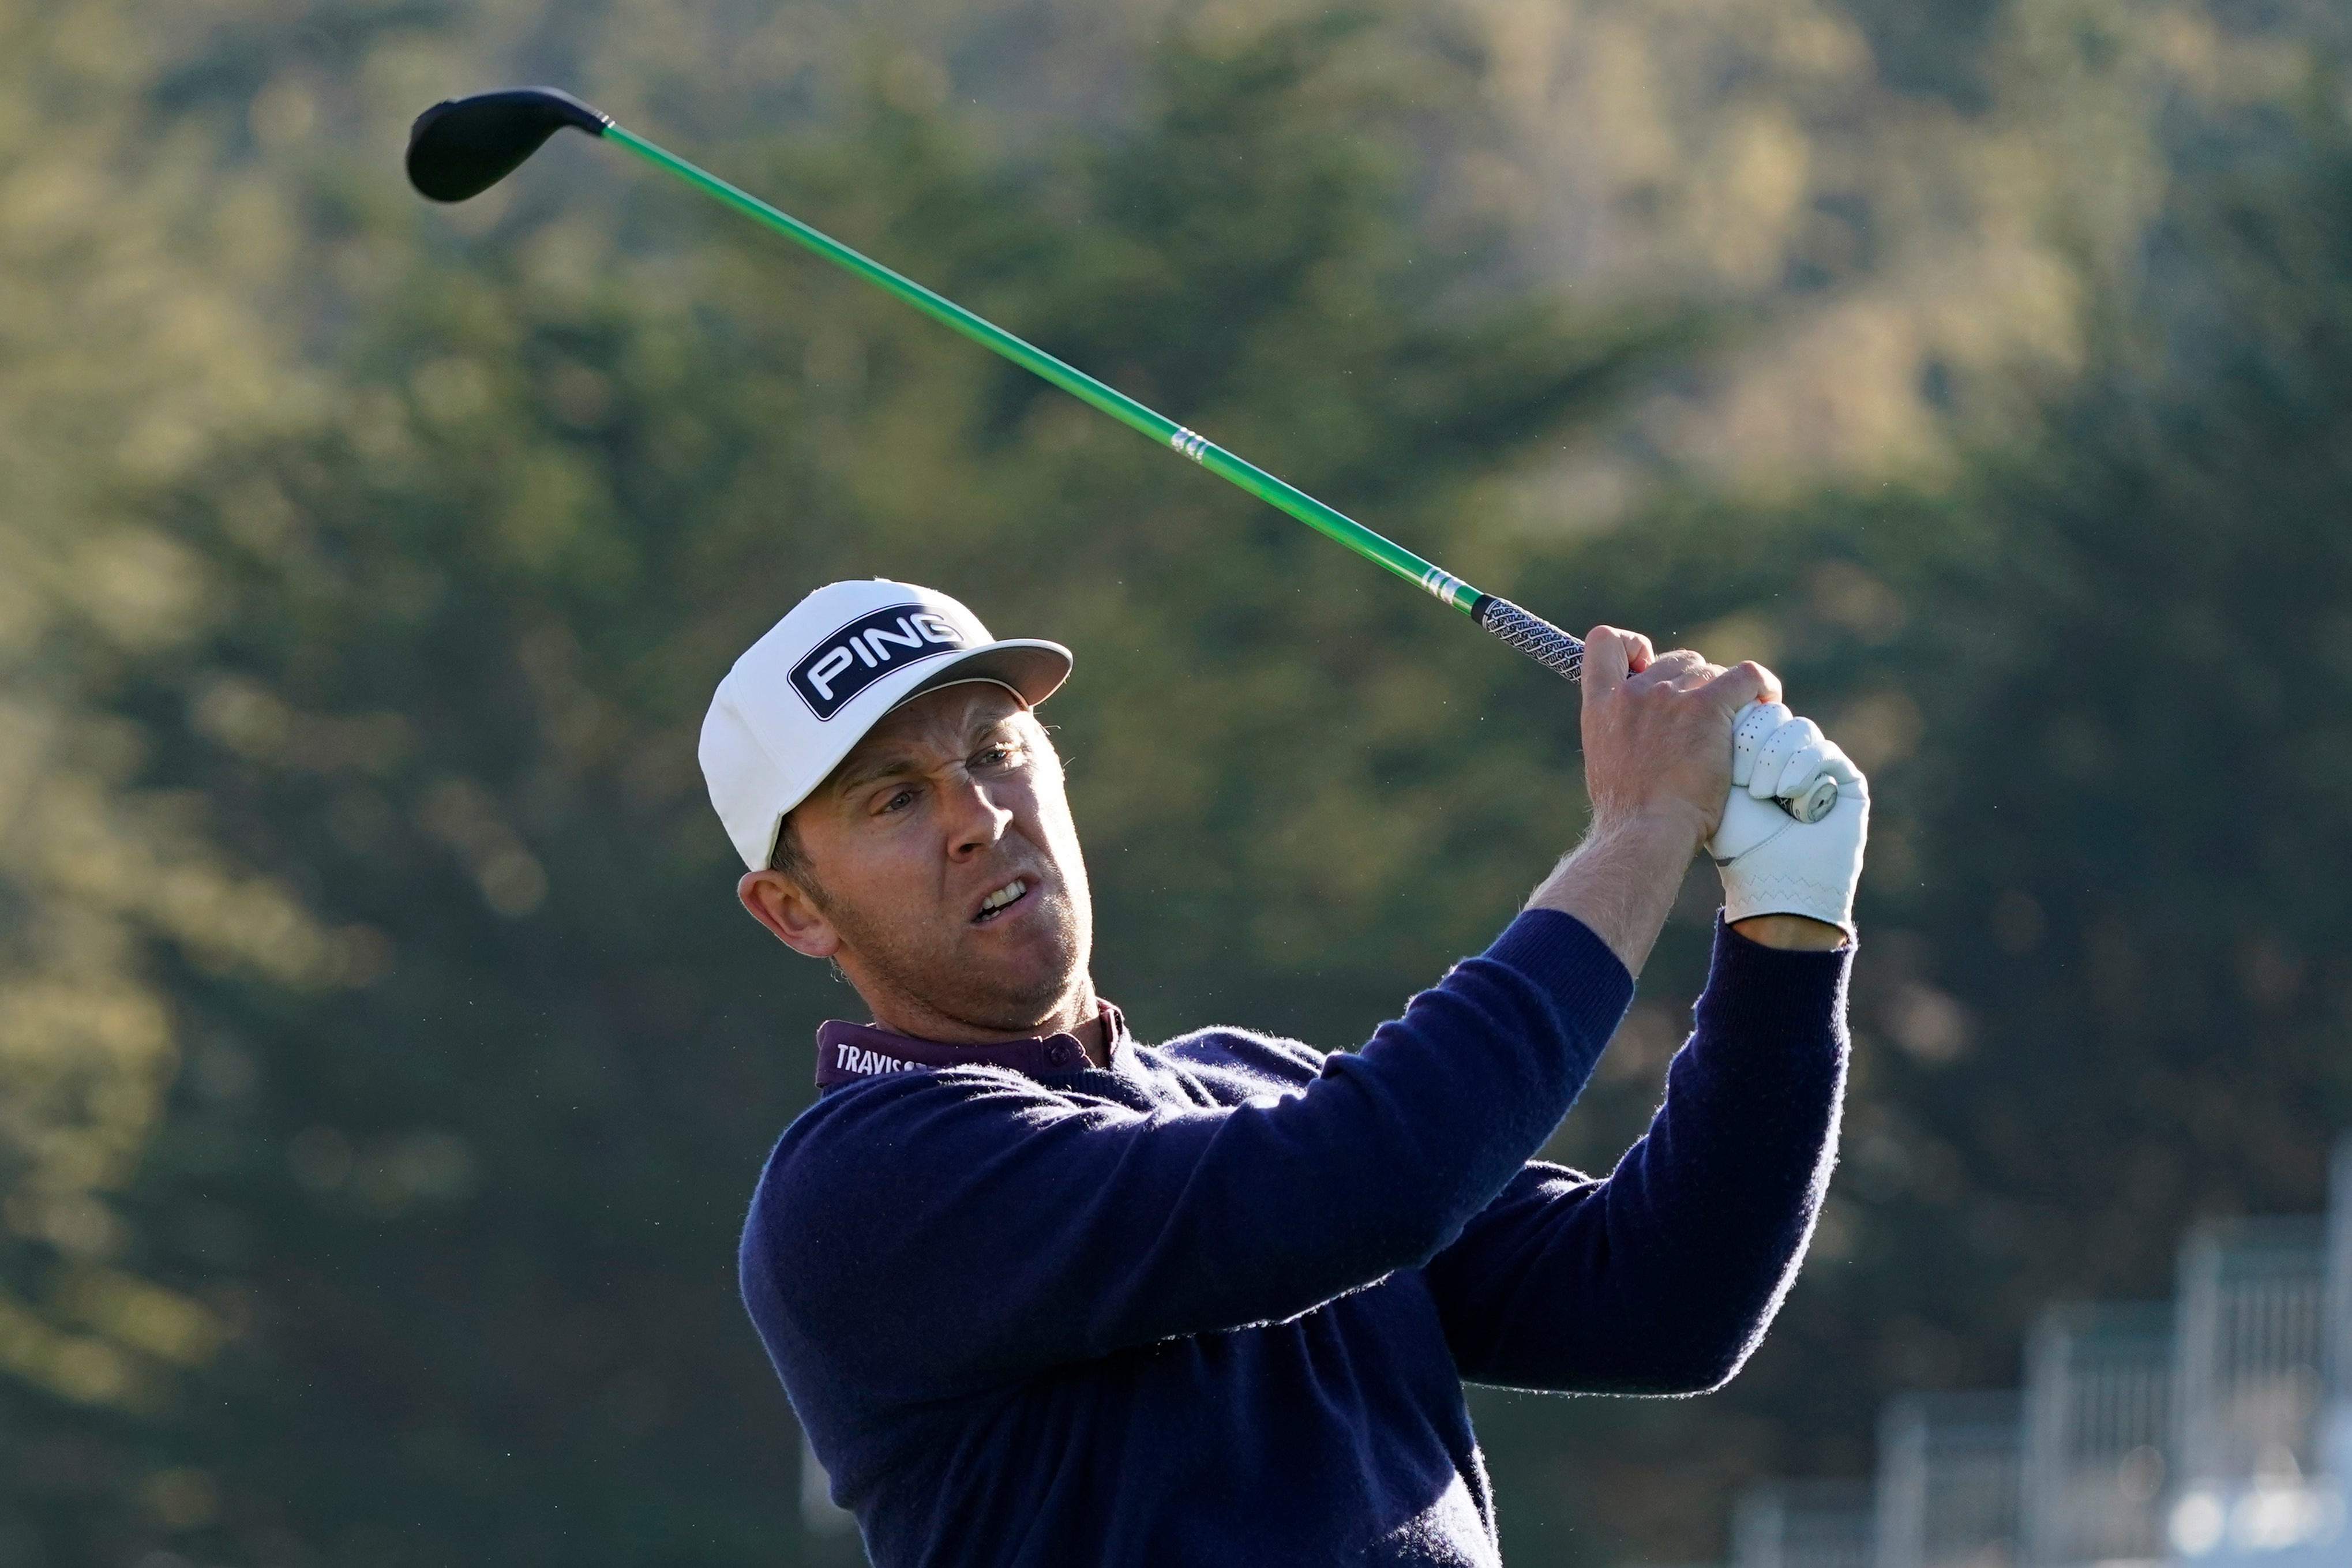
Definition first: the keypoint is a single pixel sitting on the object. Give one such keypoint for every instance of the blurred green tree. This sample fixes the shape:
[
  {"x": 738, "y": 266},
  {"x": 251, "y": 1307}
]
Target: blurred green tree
[
  {"x": 465, "y": 1195},
  {"x": 382, "y": 1064}
]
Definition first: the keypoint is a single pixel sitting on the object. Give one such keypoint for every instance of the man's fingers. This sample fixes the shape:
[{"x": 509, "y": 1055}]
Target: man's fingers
[
  {"x": 1750, "y": 728},
  {"x": 1831, "y": 761},
  {"x": 1838, "y": 766},
  {"x": 1677, "y": 668},
  {"x": 1772, "y": 760},
  {"x": 1609, "y": 657},
  {"x": 1800, "y": 770},
  {"x": 1738, "y": 724},
  {"x": 1823, "y": 759},
  {"x": 1744, "y": 682}
]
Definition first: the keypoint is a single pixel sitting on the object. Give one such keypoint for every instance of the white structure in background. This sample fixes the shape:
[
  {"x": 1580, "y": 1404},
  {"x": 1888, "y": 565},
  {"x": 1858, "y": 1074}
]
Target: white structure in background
[
  {"x": 2216, "y": 1432},
  {"x": 2098, "y": 1416},
  {"x": 1802, "y": 1524},
  {"x": 2337, "y": 1423},
  {"x": 2335, "y": 1430},
  {"x": 2252, "y": 1336},
  {"x": 1948, "y": 1481}
]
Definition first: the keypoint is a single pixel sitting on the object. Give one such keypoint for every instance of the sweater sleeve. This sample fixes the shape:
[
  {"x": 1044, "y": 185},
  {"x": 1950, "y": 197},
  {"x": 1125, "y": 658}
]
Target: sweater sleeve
[
  {"x": 1662, "y": 1277},
  {"x": 933, "y": 1234}
]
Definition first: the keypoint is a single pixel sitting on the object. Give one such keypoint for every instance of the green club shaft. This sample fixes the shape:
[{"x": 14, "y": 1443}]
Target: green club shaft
[{"x": 1440, "y": 583}]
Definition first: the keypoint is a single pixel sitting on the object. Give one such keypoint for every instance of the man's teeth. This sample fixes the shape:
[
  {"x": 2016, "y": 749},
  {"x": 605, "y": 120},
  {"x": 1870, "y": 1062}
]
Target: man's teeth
[{"x": 1002, "y": 896}]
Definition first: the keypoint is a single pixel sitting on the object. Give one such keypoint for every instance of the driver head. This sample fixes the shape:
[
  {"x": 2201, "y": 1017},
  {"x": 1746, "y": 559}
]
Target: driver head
[{"x": 462, "y": 146}]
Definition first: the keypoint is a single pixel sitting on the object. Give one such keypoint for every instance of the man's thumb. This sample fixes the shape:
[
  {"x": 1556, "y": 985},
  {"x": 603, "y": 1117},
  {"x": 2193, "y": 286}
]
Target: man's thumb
[{"x": 1607, "y": 659}]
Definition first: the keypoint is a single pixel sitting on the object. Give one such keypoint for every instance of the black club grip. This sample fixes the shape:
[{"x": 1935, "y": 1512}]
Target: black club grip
[{"x": 1531, "y": 635}]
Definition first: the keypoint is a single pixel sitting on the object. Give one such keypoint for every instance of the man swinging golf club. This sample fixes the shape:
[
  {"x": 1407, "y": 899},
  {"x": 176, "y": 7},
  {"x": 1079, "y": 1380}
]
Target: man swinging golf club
[{"x": 1042, "y": 1294}]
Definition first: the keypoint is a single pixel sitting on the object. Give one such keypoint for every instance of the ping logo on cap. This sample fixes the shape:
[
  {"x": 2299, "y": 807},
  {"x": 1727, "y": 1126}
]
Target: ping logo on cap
[{"x": 861, "y": 652}]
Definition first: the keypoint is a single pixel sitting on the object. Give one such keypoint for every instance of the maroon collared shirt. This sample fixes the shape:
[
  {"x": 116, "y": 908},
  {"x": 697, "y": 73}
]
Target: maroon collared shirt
[{"x": 846, "y": 1052}]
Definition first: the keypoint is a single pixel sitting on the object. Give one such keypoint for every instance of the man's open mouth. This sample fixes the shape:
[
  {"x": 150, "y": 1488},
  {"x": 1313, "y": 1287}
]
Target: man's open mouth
[{"x": 1003, "y": 898}]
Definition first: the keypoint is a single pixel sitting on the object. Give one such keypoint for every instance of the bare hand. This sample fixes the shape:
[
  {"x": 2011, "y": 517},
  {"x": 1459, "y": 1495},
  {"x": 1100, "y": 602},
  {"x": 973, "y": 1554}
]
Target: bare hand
[
  {"x": 1658, "y": 767},
  {"x": 1657, "y": 733}
]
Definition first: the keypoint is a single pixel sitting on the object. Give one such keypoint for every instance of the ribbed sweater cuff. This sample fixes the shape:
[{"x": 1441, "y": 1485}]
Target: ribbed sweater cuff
[
  {"x": 1575, "y": 968},
  {"x": 1770, "y": 996}
]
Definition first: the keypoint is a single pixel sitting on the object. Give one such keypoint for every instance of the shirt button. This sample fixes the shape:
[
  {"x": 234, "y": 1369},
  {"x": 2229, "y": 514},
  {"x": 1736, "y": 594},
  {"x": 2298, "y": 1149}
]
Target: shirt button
[{"x": 1058, "y": 1053}]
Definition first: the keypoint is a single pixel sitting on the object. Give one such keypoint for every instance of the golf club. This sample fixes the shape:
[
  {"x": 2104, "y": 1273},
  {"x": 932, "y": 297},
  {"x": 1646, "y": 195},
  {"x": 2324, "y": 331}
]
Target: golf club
[{"x": 462, "y": 146}]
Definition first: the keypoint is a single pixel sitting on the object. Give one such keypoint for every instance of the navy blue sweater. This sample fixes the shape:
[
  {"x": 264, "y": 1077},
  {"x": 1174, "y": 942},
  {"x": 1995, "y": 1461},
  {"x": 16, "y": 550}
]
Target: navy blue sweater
[{"x": 1216, "y": 1304}]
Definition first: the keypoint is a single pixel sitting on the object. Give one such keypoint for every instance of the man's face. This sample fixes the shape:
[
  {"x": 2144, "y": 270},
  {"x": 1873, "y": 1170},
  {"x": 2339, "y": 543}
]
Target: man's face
[{"x": 944, "y": 874}]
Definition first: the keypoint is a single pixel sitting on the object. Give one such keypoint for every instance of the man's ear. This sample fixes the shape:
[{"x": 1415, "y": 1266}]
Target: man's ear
[{"x": 781, "y": 904}]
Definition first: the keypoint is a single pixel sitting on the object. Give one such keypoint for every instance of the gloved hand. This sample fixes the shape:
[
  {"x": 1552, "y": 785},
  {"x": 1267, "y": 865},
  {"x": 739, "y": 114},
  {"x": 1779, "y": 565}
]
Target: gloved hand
[{"x": 1771, "y": 863}]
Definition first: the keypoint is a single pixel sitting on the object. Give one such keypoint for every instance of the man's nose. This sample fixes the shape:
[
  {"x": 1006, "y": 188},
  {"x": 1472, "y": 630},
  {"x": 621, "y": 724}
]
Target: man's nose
[{"x": 976, "y": 820}]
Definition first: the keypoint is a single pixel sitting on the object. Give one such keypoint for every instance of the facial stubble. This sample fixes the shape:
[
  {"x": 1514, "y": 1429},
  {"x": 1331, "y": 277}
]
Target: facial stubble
[
  {"x": 926, "y": 970},
  {"x": 921, "y": 965}
]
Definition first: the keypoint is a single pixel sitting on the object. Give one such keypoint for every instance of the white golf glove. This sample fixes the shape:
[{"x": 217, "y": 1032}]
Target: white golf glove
[{"x": 1771, "y": 863}]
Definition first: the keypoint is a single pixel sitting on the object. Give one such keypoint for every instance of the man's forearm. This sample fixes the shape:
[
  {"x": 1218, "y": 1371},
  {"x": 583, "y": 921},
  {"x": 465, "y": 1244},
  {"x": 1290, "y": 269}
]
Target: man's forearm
[{"x": 1621, "y": 881}]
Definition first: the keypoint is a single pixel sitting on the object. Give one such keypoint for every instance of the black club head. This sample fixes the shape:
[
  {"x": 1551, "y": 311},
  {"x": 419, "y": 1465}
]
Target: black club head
[{"x": 462, "y": 146}]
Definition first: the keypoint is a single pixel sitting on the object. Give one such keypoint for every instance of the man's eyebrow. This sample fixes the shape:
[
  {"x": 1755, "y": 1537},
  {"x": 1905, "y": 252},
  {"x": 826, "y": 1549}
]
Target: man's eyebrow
[
  {"x": 987, "y": 727},
  {"x": 881, "y": 766}
]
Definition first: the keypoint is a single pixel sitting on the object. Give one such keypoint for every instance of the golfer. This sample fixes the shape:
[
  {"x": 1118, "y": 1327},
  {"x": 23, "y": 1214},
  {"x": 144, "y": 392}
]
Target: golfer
[{"x": 1042, "y": 1294}]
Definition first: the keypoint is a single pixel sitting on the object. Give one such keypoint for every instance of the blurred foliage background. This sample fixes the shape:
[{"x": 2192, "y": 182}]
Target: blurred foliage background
[{"x": 383, "y": 1063}]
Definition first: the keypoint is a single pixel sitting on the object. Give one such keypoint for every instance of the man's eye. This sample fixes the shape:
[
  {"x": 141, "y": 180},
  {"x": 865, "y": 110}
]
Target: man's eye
[
  {"x": 900, "y": 801},
  {"x": 995, "y": 756}
]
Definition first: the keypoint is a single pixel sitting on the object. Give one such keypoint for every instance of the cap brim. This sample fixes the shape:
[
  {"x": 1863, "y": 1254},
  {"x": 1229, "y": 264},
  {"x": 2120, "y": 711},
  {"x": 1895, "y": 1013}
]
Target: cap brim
[{"x": 1032, "y": 668}]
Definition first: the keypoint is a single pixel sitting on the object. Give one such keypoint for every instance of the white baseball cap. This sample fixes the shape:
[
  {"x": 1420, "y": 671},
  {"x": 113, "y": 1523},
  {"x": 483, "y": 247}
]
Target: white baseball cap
[{"x": 803, "y": 695}]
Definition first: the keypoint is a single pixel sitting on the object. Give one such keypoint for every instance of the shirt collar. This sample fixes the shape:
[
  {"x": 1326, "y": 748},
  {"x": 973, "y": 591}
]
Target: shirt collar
[{"x": 846, "y": 1052}]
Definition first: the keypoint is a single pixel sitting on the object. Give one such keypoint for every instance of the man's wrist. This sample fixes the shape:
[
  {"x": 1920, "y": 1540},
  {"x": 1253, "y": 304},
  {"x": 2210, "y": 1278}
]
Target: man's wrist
[
  {"x": 1622, "y": 878},
  {"x": 1793, "y": 933},
  {"x": 1673, "y": 829}
]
